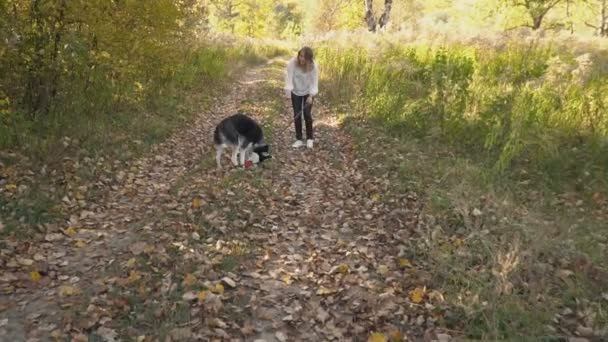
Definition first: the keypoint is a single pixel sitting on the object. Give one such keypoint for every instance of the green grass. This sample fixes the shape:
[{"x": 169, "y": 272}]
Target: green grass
[
  {"x": 489, "y": 131},
  {"x": 503, "y": 107},
  {"x": 544, "y": 239}
]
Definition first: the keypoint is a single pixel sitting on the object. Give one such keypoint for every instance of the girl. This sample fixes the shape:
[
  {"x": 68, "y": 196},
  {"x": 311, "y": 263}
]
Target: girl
[{"x": 302, "y": 85}]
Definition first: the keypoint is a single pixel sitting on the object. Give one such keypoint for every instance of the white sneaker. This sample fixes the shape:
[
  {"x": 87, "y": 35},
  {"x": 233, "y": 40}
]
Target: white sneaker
[
  {"x": 309, "y": 143},
  {"x": 297, "y": 144}
]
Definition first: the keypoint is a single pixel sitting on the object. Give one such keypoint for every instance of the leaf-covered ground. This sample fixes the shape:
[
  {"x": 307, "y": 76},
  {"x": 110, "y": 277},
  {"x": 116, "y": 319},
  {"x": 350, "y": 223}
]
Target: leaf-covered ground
[
  {"x": 306, "y": 247},
  {"x": 310, "y": 246}
]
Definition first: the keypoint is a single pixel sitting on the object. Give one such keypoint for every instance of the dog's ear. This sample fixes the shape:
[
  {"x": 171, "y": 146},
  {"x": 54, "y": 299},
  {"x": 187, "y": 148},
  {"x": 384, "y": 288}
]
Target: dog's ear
[{"x": 261, "y": 149}]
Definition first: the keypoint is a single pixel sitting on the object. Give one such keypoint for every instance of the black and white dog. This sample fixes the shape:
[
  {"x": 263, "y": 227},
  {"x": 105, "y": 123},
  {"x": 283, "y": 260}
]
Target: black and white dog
[{"x": 244, "y": 136}]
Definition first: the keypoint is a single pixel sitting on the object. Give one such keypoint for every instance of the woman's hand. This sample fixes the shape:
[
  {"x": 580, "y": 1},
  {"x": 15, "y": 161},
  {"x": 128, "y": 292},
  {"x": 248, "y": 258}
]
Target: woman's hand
[{"x": 309, "y": 100}]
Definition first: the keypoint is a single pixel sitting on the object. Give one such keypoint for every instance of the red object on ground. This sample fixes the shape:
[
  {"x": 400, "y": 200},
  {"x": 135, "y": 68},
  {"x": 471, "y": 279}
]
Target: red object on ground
[{"x": 248, "y": 164}]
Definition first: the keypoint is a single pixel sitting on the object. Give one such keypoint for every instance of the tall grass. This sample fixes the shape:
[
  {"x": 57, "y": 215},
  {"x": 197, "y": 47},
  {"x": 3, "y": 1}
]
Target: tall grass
[
  {"x": 477, "y": 127},
  {"x": 518, "y": 103}
]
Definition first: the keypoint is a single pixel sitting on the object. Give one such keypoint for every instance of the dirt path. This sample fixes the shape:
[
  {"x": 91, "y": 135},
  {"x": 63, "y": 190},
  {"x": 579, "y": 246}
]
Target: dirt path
[{"x": 306, "y": 248}]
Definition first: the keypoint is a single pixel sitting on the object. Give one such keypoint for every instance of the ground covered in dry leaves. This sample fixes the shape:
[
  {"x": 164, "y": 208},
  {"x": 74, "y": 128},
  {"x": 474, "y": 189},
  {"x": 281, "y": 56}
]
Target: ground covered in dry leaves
[
  {"x": 306, "y": 247},
  {"x": 309, "y": 247}
]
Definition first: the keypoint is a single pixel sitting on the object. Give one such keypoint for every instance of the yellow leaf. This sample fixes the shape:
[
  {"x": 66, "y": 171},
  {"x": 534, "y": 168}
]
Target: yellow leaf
[
  {"x": 324, "y": 291},
  {"x": 405, "y": 263},
  {"x": 202, "y": 295},
  {"x": 286, "y": 278},
  {"x": 343, "y": 269},
  {"x": 417, "y": 295},
  {"x": 196, "y": 203},
  {"x": 11, "y": 187},
  {"x": 131, "y": 263},
  {"x": 133, "y": 277},
  {"x": 70, "y": 231},
  {"x": 457, "y": 242},
  {"x": 35, "y": 276},
  {"x": 219, "y": 289},
  {"x": 189, "y": 279},
  {"x": 377, "y": 337},
  {"x": 376, "y": 197},
  {"x": 80, "y": 244}
]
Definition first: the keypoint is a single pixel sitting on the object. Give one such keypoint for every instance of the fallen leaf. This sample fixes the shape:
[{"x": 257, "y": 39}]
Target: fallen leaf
[
  {"x": 70, "y": 231},
  {"x": 25, "y": 261},
  {"x": 396, "y": 336},
  {"x": 80, "y": 244},
  {"x": 377, "y": 337},
  {"x": 342, "y": 268},
  {"x": 189, "y": 296},
  {"x": 286, "y": 278},
  {"x": 80, "y": 337},
  {"x": 133, "y": 277},
  {"x": 229, "y": 282},
  {"x": 405, "y": 263},
  {"x": 417, "y": 295},
  {"x": 443, "y": 337},
  {"x": 67, "y": 290},
  {"x": 322, "y": 315},
  {"x": 131, "y": 263},
  {"x": 564, "y": 274},
  {"x": 325, "y": 291},
  {"x": 35, "y": 276},
  {"x": 218, "y": 289},
  {"x": 189, "y": 280},
  {"x": 53, "y": 237},
  {"x": 196, "y": 203},
  {"x": 383, "y": 269},
  {"x": 202, "y": 295},
  {"x": 248, "y": 329}
]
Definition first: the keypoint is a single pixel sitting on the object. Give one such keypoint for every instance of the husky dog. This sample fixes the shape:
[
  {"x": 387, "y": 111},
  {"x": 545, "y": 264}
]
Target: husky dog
[{"x": 244, "y": 136}]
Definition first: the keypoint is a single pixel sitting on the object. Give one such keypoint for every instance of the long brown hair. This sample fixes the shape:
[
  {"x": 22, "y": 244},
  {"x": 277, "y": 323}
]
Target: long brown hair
[{"x": 308, "y": 57}]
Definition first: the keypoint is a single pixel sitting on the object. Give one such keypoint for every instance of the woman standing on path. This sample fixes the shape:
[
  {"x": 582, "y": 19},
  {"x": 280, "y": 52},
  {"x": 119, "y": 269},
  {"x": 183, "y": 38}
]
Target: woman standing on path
[{"x": 302, "y": 85}]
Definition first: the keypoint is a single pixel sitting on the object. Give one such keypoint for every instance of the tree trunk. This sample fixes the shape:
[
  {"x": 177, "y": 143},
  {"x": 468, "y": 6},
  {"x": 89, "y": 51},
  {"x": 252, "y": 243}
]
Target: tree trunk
[
  {"x": 569, "y": 16},
  {"x": 384, "y": 18},
  {"x": 604, "y": 19},
  {"x": 537, "y": 21},
  {"x": 55, "y": 66},
  {"x": 369, "y": 15}
]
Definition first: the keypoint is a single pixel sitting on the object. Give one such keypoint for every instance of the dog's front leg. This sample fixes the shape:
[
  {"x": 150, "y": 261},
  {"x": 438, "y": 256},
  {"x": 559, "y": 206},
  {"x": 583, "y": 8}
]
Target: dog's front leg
[
  {"x": 245, "y": 153},
  {"x": 235, "y": 151}
]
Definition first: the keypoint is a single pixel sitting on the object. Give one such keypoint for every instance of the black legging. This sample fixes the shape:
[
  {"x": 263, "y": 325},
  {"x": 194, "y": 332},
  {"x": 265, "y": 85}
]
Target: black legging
[{"x": 297, "y": 102}]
